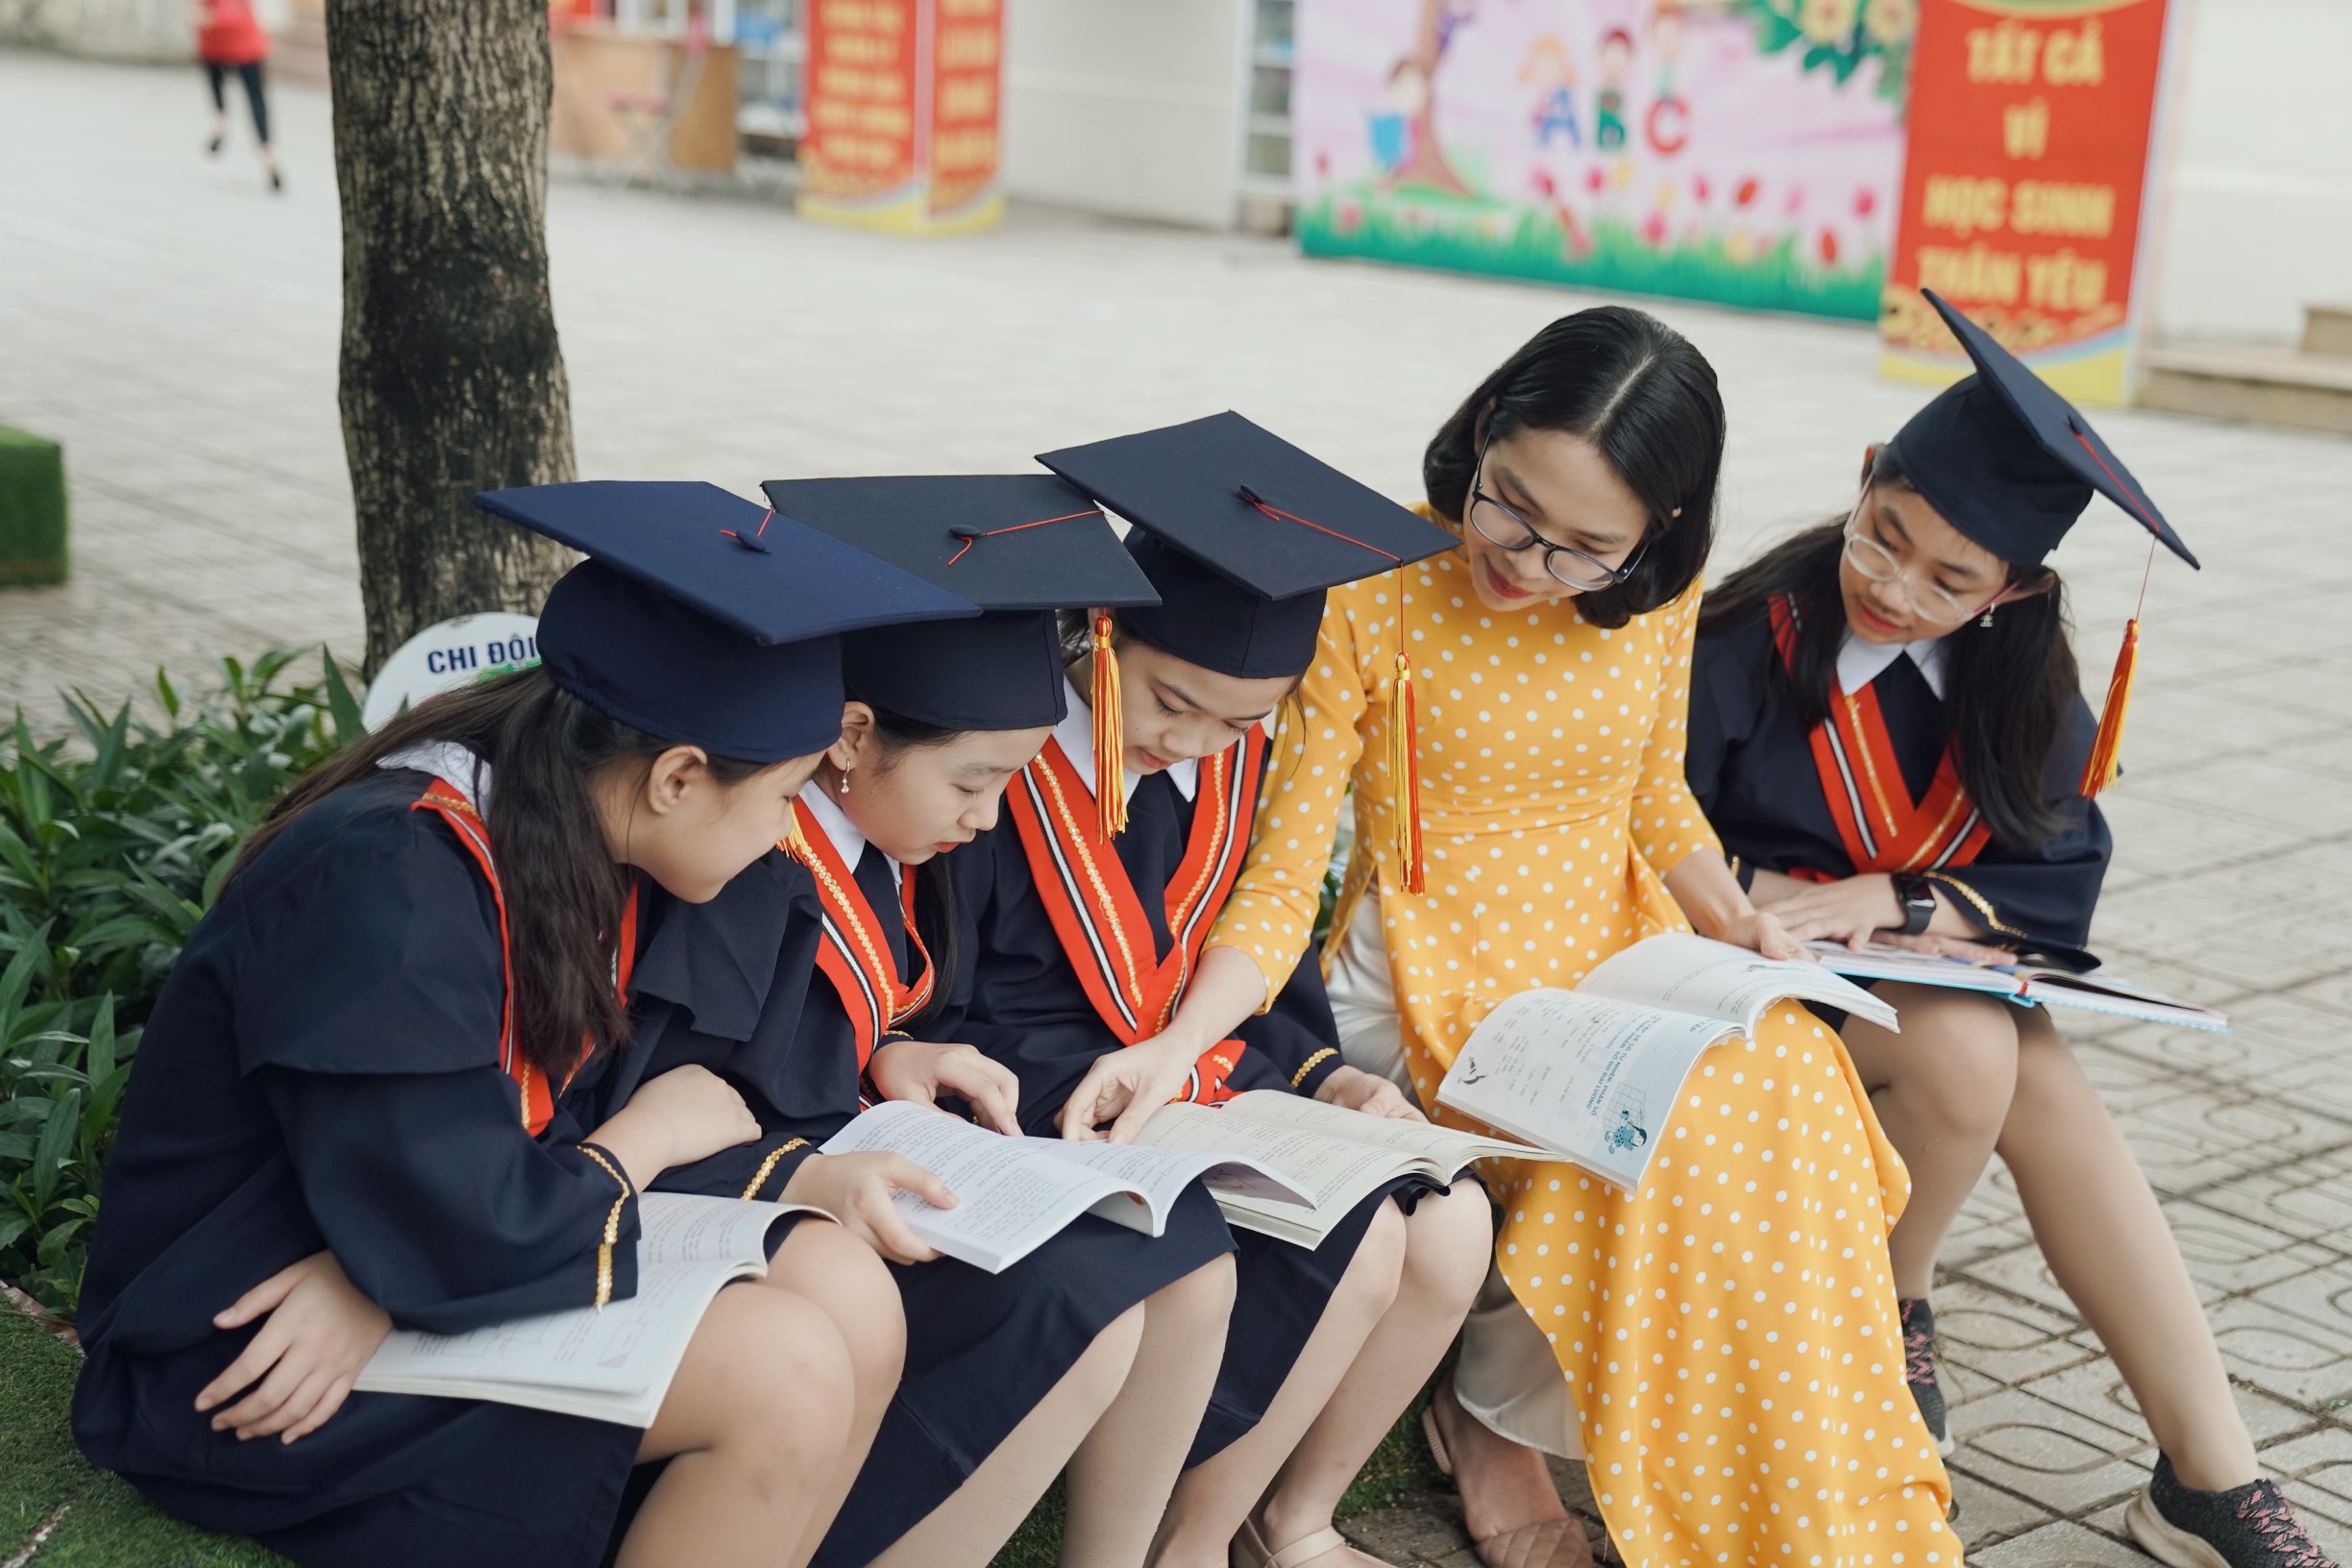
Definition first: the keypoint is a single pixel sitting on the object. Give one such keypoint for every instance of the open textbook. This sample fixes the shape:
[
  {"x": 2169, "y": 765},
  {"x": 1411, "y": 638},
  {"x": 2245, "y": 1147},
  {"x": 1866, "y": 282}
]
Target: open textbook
[
  {"x": 1590, "y": 1075},
  {"x": 1342, "y": 1156},
  {"x": 2094, "y": 991},
  {"x": 1013, "y": 1194},
  {"x": 608, "y": 1364}
]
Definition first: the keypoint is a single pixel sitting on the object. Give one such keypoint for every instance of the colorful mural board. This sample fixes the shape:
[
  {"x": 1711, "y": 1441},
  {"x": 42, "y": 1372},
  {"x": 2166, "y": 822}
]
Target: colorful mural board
[
  {"x": 903, "y": 105},
  {"x": 2023, "y": 195},
  {"x": 1741, "y": 151}
]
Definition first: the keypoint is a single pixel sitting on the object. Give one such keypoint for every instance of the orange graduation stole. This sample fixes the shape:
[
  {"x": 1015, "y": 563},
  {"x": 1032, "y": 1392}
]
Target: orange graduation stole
[
  {"x": 855, "y": 953},
  {"x": 1882, "y": 827},
  {"x": 538, "y": 1096},
  {"x": 1099, "y": 917}
]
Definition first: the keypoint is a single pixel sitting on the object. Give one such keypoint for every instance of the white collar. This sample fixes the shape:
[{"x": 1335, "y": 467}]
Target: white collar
[
  {"x": 1076, "y": 733},
  {"x": 453, "y": 765},
  {"x": 848, "y": 842},
  {"x": 1859, "y": 662}
]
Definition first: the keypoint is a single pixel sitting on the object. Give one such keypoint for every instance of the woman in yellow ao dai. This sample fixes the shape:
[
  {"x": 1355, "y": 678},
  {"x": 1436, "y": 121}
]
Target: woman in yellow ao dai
[{"x": 1728, "y": 1333}]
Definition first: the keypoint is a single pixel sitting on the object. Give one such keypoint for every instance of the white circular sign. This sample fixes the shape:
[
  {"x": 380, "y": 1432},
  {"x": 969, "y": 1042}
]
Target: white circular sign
[{"x": 468, "y": 648}]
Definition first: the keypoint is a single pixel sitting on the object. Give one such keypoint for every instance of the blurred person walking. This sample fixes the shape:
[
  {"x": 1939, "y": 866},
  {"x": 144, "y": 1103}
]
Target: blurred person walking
[{"x": 227, "y": 38}]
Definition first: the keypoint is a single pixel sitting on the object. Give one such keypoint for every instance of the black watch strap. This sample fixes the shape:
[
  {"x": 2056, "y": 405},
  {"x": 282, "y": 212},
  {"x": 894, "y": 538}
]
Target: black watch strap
[{"x": 1919, "y": 901}]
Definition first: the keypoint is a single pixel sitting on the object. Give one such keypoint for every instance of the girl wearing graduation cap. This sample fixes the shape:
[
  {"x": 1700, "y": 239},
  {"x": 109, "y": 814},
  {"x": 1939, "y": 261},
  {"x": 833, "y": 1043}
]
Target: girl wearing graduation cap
[
  {"x": 1889, "y": 735},
  {"x": 1086, "y": 930},
  {"x": 826, "y": 978},
  {"x": 1508, "y": 716},
  {"x": 355, "y": 1106}
]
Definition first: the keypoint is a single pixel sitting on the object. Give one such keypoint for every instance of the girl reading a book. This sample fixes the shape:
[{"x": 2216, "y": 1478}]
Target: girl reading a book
[
  {"x": 1889, "y": 735},
  {"x": 354, "y": 1104},
  {"x": 1508, "y": 716},
  {"x": 825, "y": 978},
  {"x": 1086, "y": 931}
]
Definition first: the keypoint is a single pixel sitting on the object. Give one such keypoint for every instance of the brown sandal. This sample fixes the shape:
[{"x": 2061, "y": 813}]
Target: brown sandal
[{"x": 1548, "y": 1543}]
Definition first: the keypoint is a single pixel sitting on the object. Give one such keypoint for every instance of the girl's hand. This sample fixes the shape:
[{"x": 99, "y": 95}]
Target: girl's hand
[
  {"x": 857, "y": 1188},
  {"x": 1124, "y": 1088},
  {"x": 920, "y": 1072},
  {"x": 1851, "y": 910},
  {"x": 1351, "y": 1088},
  {"x": 1763, "y": 932},
  {"x": 682, "y": 1115},
  {"x": 321, "y": 1331}
]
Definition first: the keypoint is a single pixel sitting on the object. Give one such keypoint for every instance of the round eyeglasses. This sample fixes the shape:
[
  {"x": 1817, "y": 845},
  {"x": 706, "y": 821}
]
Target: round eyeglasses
[
  {"x": 1505, "y": 529},
  {"x": 1874, "y": 561}
]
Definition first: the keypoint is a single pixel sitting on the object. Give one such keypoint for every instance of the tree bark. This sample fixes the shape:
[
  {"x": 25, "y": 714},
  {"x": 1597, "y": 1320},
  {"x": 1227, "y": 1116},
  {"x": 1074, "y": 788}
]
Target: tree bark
[
  {"x": 1427, "y": 168},
  {"x": 451, "y": 378}
]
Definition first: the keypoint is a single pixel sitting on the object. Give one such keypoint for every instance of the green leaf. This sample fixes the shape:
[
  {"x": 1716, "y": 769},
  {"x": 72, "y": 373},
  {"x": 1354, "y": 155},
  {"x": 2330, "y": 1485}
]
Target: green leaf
[
  {"x": 341, "y": 704},
  {"x": 165, "y": 695},
  {"x": 52, "y": 1244},
  {"x": 57, "y": 1140}
]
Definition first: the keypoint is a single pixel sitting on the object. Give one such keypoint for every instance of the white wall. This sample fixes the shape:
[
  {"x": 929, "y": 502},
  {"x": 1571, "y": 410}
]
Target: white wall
[
  {"x": 2260, "y": 198},
  {"x": 1128, "y": 106}
]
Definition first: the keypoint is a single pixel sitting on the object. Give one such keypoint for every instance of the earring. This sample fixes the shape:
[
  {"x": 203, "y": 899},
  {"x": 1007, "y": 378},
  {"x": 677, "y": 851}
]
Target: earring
[
  {"x": 1985, "y": 622},
  {"x": 844, "y": 782}
]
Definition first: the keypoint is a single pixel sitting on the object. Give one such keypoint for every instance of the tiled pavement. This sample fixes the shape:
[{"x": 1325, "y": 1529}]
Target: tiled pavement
[{"x": 176, "y": 329}]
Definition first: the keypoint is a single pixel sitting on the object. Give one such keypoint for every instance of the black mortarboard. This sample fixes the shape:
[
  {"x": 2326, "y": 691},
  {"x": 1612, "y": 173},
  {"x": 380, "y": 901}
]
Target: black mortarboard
[
  {"x": 1020, "y": 545},
  {"x": 2008, "y": 461},
  {"x": 701, "y": 618},
  {"x": 1241, "y": 532}
]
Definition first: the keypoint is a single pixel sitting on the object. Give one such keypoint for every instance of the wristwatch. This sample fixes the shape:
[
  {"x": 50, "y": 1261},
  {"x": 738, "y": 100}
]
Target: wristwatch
[{"x": 1916, "y": 895}]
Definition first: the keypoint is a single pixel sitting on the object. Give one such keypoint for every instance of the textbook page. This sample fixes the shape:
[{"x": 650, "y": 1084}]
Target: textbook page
[
  {"x": 1586, "y": 1078},
  {"x": 612, "y": 1364},
  {"x": 1012, "y": 1195},
  {"x": 1443, "y": 1151},
  {"x": 1337, "y": 1172},
  {"x": 2097, "y": 991},
  {"x": 1156, "y": 1176},
  {"x": 1879, "y": 961},
  {"x": 1716, "y": 980}
]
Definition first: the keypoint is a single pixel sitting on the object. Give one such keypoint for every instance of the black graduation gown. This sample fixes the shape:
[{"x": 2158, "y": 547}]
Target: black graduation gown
[
  {"x": 1024, "y": 1005},
  {"x": 1750, "y": 764},
  {"x": 321, "y": 1071},
  {"x": 982, "y": 1349}
]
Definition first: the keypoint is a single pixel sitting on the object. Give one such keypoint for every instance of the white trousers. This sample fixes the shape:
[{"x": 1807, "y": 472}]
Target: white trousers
[{"x": 1506, "y": 1375}]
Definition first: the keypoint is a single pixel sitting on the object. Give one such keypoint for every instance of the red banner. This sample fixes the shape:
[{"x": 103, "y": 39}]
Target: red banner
[
  {"x": 903, "y": 102},
  {"x": 2027, "y": 166}
]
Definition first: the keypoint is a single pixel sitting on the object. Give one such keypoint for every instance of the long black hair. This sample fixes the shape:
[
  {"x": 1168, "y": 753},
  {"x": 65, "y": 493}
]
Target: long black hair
[
  {"x": 563, "y": 891},
  {"x": 935, "y": 896},
  {"x": 1636, "y": 390},
  {"x": 2010, "y": 688}
]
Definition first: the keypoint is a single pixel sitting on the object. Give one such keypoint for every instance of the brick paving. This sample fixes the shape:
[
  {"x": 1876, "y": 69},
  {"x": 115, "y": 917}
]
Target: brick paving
[{"x": 176, "y": 328}]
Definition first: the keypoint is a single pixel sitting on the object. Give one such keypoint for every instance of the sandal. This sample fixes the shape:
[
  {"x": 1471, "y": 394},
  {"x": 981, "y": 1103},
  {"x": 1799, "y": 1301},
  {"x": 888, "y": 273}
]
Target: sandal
[
  {"x": 1250, "y": 1549},
  {"x": 1548, "y": 1543}
]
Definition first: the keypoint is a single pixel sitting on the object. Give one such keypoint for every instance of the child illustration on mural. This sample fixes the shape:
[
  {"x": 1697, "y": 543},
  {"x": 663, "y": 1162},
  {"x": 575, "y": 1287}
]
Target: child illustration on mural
[
  {"x": 1391, "y": 127},
  {"x": 1667, "y": 124},
  {"x": 1616, "y": 65},
  {"x": 1548, "y": 70}
]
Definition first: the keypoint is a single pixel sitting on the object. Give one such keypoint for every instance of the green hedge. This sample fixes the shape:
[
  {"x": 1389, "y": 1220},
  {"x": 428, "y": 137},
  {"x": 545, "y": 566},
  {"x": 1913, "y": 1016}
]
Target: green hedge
[{"x": 32, "y": 508}]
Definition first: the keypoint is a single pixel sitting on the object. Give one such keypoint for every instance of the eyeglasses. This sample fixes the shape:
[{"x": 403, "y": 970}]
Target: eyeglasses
[
  {"x": 1505, "y": 529},
  {"x": 1874, "y": 561}
]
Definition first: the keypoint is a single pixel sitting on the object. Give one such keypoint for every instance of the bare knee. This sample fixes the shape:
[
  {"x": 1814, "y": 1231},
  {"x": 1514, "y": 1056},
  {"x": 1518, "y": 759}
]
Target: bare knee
[
  {"x": 1102, "y": 1370},
  {"x": 1377, "y": 1273},
  {"x": 789, "y": 1394},
  {"x": 1449, "y": 1246},
  {"x": 828, "y": 1265},
  {"x": 1199, "y": 1304},
  {"x": 1957, "y": 1062}
]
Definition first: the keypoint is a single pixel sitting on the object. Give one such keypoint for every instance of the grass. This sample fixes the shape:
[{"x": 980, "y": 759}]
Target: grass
[
  {"x": 95, "y": 1520},
  {"x": 1502, "y": 239}
]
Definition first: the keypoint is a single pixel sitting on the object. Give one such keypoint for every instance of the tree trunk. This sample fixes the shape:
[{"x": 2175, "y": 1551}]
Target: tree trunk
[
  {"x": 1427, "y": 166},
  {"x": 451, "y": 378}
]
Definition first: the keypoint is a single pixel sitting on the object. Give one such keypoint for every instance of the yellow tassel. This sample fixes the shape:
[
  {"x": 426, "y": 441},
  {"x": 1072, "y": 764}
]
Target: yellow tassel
[
  {"x": 1404, "y": 768},
  {"x": 1110, "y": 738},
  {"x": 2105, "y": 765},
  {"x": 793, "y": 844}
]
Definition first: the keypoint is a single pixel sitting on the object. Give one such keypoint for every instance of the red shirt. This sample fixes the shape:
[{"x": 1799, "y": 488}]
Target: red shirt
[{"x": 228, "y": 35}]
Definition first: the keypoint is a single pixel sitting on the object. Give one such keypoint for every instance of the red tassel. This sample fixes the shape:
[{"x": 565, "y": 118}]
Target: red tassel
[
  {"x": 2103, "y": 764},
  {"x": 1110, "y": 738},
  {"x": 1404, "y": 768}
]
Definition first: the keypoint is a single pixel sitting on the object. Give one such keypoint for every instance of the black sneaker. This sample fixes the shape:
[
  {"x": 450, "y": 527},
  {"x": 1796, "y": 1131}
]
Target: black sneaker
[
  {"x": 2247, "y": 1526},
  {"x": 1919, "y": 1368}
]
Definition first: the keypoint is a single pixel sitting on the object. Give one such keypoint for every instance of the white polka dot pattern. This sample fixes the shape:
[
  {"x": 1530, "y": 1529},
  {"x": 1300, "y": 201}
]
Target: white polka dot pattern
[{"x": 1731, "y": 1331}]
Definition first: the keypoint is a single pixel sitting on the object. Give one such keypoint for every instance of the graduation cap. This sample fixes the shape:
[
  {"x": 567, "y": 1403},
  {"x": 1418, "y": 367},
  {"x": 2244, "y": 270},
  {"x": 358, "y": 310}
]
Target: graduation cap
[
  {"x": 1243, "y": 533},
  {"x": 1021, "y": 547},
  {"x": 2012, "y": 465},
  {"x": 701, "y": 618}
]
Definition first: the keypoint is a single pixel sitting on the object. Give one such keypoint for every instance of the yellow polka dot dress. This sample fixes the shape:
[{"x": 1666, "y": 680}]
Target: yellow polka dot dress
[{"x": 1730, "y": 1331}]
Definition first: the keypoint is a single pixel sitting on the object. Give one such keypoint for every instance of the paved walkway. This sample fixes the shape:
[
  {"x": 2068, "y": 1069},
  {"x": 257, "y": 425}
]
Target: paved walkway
[{"x": 176, "y": 328}]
